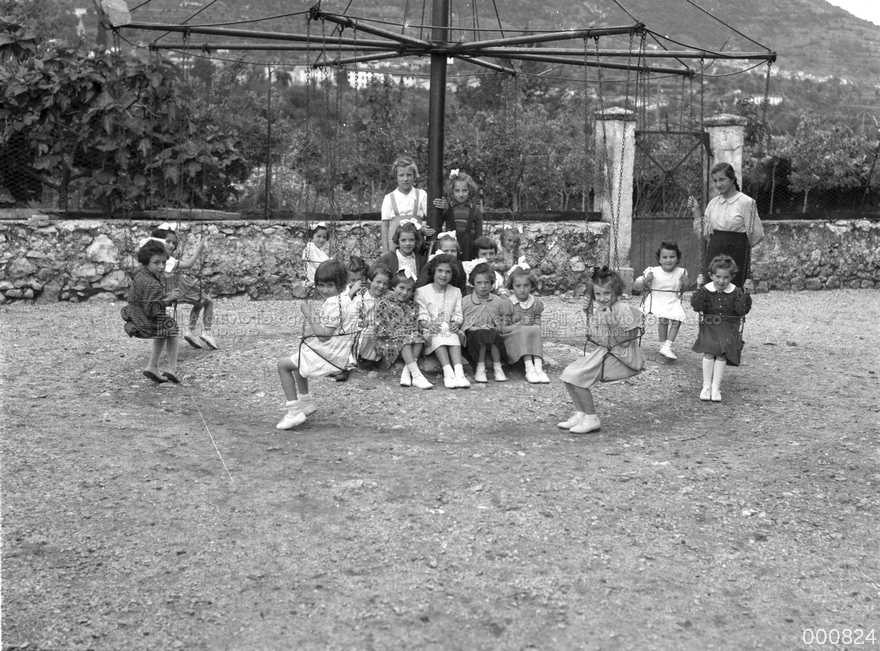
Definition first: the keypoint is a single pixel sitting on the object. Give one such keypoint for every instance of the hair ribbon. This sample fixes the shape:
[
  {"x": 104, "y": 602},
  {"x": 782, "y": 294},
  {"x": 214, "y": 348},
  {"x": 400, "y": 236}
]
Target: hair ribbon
[
  {"x": 453, "y": 174},
  {"x": 415, "y": 222},
  {"x": 450, "y": 234}
]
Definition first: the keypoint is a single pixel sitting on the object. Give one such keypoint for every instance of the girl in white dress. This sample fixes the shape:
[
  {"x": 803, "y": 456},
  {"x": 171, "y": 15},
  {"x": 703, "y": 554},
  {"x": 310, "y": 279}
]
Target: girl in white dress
[
  {"x": 323, "y": 352},
  {"x": 314, "y": 254},
  {"x": 665, "y": 285},
  {"x": 440, "y": 318}
]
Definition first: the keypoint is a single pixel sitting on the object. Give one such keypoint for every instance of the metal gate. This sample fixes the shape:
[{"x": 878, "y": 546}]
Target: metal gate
[{"x": 670, "y": 165}]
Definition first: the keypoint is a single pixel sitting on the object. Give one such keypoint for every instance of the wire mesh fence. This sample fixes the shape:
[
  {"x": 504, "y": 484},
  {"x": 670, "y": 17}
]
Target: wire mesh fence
[{"x": 145, "y": 132}]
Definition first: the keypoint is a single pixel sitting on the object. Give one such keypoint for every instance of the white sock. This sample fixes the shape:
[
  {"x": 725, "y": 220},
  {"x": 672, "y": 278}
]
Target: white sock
[
  {"x": 459, "y": 370},
  {"x": 448, "y": 372},
  {"x": 539, "y": 364},
  {"x": 414, "y": 370},
  {"x": 719, "y": 373},
  {"x": 708, "y": 367},
  {"x": 305, "y": 397},
  {"x": 481, "y": 366},
  {"x": 669, "y": 342},
  {"x": 530, "y": 365}
]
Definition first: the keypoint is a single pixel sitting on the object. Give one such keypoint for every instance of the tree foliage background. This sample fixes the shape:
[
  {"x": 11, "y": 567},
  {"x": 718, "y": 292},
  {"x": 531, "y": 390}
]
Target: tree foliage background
[{"x": 129, "y": 130}]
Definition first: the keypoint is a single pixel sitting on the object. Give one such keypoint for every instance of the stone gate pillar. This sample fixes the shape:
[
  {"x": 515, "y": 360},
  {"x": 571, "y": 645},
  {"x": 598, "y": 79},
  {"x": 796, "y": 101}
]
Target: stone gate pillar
[
  {"x": 615, "y": 135},
  {"x": 727, "y": 135}
]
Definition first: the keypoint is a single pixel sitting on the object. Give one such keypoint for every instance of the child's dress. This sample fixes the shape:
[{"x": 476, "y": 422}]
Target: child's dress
[
  {"x": 313, "y": 256},
  {"x": 365, "y": 304},
  {"x": 720, "y": 321},
  {"x": 466, "y": 220},
  {"x": 189, "y": 287},
  {"x": 663, "y": 299},
  {"x": 440, "y": 307},
  {"x": 482, "y": 322},
  {"x": 608, "y": 364},
  {"x": 397, "y": 324},
  {"x": 145, "y": 316},
  {"x": 525, "y": 338},
  {"x": 315, "y": 358}
]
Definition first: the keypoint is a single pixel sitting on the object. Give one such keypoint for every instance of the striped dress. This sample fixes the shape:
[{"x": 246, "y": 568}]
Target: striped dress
[{"x": 145, "y": 316}]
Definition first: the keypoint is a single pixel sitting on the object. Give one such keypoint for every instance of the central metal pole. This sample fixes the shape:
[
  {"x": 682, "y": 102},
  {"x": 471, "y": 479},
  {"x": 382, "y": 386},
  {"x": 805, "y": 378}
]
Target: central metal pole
[{"x": 437, "y": 111}]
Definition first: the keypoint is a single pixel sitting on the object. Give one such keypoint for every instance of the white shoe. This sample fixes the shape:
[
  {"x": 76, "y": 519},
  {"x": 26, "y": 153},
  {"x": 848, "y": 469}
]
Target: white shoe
[
  {"x": 421, "y": 382},
  {"x": 666, "y": 351},
  {"x": 532, "y": 377},
  {"x": 542, "y": 377},
  {"x": 406, "y": 379},
  {"x": 575, "y": 419},
  {"x": 706, "y": 394},
  {"x": 716, "y": 394},
  {"x": 590, "y": 423},
  {"x": 480, "y": 374},
  {"x": 462, "y": 382},
  {"x": 450, "y": 382},
  {"x": 208, "y": 339},
  {"x": 499, "y": 374},
  {"x": 295, "y": 416},
  {"x": 190, "y": 338}
]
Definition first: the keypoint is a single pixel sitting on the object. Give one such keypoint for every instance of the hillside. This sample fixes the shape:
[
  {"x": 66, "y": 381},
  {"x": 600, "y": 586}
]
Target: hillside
[{"x": 845, "y": 46}]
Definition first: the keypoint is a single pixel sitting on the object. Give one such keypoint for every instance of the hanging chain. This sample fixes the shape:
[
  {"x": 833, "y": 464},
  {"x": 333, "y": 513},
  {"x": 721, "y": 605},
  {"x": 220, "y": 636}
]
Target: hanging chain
[
  {"x": 586, "y": 129},
  {"x": 765, "y": 141}
]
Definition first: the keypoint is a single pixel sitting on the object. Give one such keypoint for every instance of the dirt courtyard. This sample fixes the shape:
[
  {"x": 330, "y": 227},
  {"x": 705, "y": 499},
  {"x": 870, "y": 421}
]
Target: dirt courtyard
[{"x": 142, "y": 516}]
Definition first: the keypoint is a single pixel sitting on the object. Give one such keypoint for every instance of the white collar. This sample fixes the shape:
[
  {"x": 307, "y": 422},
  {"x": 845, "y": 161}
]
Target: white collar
[
  {"x": 727, "y": 290},
  {"x": 736, "y": 195},
  {"x": 476, "y": 300},
  {"x": 526, "y": 304}
]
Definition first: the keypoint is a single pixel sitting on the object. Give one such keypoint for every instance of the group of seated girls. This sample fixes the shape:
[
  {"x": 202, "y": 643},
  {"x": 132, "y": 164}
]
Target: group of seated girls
[{"x": 406, "y": 305}]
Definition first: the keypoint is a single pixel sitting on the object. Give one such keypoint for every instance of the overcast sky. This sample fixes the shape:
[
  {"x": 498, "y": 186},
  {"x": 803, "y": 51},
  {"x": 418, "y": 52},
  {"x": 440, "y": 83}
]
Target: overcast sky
[{"x": 867, "y": 9}]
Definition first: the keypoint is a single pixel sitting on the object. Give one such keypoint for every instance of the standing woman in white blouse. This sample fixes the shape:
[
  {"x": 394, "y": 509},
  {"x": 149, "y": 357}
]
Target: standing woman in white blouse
[{"x": 730, "y": 224}]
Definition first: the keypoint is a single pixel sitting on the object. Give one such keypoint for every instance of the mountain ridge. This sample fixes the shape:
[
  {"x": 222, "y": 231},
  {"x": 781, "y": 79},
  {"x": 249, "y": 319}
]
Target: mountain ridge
[{"x": 811, "y": 37}]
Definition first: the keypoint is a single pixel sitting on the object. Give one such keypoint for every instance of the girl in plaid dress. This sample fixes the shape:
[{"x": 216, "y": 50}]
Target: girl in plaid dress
[
  {"x": 397, "y": 331},
  {"x": 145, "y": 316}
]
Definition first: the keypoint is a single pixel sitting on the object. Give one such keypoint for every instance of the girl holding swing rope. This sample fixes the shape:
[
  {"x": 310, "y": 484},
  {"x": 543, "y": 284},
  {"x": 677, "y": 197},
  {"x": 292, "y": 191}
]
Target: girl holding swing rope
[
  {"x": 324, "y": 352},
  {"x": 615, "y": 328}
]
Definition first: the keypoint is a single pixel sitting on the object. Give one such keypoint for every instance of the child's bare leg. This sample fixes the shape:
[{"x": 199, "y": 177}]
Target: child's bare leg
[
  {"x": 673, "y": 329},
  {"x": 194, "y": 316},
  {"x": 442, "y": 354},
  {"x": 407, "y": 353},
  {"x": 663, "y": 328},
  {"x": 417, "y": 350},
  {"x": 455, "y": 354},
  {"x": 582, "y": 399},
  {"x": 289, "y": 382},
  {"x": 158, "y": 345},
  {"x": 496, "y": 355},
  {"x": 171, "y": 344},
  {"x": 481, "y": 356},
  {"x": 208, "y": 320}
]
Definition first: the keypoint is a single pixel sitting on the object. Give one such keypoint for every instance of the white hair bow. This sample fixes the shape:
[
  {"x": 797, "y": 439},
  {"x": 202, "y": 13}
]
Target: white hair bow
[
  {"x": 451, "y": 234},
  {"x": 453, "y": 174},
  {"x": 167, "y": 226},
  {"x": 470, "y": 265},
  {"x": 519, "y": 229},
  {"x": 522, "y": 264},
  {"x": 413, "y": 221},
  {"x": 320, "y": 225},
  {"x": 151, "y": 239}
]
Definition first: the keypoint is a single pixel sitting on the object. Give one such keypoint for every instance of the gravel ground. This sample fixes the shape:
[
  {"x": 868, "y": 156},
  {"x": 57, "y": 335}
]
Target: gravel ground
[{"x": 141, "y": 516}]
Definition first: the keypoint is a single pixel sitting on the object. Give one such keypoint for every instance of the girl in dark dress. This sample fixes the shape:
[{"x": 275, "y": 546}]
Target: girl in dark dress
[{"x": 722, "y": 306}]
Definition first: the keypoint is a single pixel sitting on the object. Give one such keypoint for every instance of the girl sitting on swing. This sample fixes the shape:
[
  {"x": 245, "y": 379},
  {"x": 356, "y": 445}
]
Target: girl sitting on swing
[{"x": 324, "y": 352}]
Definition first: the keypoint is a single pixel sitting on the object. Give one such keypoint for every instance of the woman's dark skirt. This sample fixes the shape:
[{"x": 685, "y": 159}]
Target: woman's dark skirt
[{"x": 737, "y": 246}]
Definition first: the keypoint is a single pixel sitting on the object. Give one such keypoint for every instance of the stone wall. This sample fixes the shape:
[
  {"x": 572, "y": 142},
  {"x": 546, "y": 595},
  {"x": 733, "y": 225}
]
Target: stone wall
[
  {"x": 813, "y": 255},
  {"x": 46, "y": 260}
]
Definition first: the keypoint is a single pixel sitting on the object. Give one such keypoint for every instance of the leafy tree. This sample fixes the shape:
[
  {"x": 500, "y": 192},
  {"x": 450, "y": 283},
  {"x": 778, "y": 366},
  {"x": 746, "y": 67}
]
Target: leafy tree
[{"x": 116, "y": 129}]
